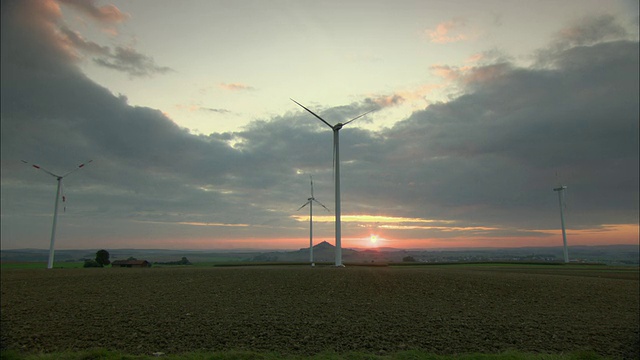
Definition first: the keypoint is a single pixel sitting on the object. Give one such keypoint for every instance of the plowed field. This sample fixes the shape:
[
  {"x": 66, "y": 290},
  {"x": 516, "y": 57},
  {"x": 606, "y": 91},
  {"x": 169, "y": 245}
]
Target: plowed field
[{"x": 306, "y": 310}]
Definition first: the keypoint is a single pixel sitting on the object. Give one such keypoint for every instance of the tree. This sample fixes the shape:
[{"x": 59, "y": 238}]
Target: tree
[
  {"x": 408, "y": 259},
  {"x": 102, "y": 257}
]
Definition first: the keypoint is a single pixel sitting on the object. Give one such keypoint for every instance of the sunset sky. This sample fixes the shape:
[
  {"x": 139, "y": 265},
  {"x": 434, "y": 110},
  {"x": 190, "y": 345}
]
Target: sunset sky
[{"x": 481, "y": 108}]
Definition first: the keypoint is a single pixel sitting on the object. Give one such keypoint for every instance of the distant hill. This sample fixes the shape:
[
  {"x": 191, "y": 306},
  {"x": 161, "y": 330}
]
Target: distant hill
[
  {"x": 322, "y": 252},
  {"x": 325, "y": 252}
]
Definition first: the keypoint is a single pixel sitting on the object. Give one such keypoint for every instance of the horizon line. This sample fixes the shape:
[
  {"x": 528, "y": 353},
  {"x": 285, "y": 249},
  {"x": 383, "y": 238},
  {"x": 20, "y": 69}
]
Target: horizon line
[{"x": 302, "y": 248}]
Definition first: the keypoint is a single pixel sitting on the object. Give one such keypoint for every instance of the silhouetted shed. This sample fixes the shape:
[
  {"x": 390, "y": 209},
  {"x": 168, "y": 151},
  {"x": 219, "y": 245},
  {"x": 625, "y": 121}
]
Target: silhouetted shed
[{"x": 131, "y": 263}]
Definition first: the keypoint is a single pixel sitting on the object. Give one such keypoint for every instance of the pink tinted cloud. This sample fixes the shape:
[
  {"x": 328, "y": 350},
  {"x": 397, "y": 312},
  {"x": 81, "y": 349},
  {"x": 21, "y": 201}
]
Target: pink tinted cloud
[
  {"x": 40, "y": 19},
  {"x": 235, "y": 87},
  {"x": 44, "y": 19},
  {"x": 485, "y": 74},
  {"x": 404, "y": 96},
  {"x": 388, "y": 100},
  {"x": 469, "y": 75},
  {"x": 108, "y": 14},
  {"x": 475, "y": 58},
  {"x": 448, "y": 32},
  {"x": 450, "y": 73}
]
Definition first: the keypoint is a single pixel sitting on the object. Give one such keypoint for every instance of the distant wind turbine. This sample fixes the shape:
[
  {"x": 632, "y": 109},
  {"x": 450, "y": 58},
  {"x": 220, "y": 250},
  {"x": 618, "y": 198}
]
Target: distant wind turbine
[
  {"x": 55, "y": 211},
  {"x": 310, "y": 203},
  {"x": 336, "y": 163},
  {"x": 560, "y": 191}
]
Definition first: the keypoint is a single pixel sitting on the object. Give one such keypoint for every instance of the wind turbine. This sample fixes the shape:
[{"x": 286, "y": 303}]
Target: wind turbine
[
  {"x": 55, "y": 211},
  {"x": 560, "y": 191},
  {"x": 310, "y": 203},
  {"x": 336, "y": 163}
]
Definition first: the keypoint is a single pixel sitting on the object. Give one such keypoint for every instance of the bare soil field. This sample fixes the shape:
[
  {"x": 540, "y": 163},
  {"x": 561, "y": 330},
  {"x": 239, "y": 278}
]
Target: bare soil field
[{"x": 304, "y": 310}]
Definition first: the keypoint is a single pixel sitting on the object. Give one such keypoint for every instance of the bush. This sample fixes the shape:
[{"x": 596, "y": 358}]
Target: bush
[{"x": 91, "y": 263}]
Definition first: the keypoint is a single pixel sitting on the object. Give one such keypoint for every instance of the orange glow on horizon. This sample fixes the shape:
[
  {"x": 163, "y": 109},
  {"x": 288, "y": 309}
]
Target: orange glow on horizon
[{"x": 608, "y": 234}]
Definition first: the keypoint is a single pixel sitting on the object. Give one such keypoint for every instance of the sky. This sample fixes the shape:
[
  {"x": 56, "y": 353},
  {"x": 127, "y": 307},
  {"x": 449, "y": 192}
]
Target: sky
[{"x": 479, "y": 110}]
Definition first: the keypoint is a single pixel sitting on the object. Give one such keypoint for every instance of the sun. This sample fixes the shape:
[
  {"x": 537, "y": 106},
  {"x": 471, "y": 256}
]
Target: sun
[{"x": 373, "y": 239}]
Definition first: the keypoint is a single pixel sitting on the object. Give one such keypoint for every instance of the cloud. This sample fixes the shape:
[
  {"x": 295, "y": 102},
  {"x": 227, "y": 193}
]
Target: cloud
[
  {"x": 235, "y": 87},
  {"x": 192, "y": 108},
  {"x": 591, "y": 30},
  {"x": 216, "y": 110},
  {"x": 514, "y": 128},
  {"x": 400, "y": 97},
  {"x": 487, "y": 57},
  {"x": 586, "y": 31},
  {"x": 130, "y": 61},
  {"x": 80, "y": 43},
  {"x": 469, "y": 76},
  {"x": 448, "y": 32},
  {"x": 482, "y": 164},
  {"x": 387, "y": 100},
  {"x": 106, "y": 14},
  {"x": 44, "y": 19}
]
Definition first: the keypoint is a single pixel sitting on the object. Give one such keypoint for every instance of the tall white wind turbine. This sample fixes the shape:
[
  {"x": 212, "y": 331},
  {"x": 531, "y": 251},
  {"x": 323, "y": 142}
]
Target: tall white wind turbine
[
  {"x": 55, "y": 211},
  {"x": 336, "y": 163},
  {"x": 560, "y": 191},
  {"x": 310, "y": 203}
]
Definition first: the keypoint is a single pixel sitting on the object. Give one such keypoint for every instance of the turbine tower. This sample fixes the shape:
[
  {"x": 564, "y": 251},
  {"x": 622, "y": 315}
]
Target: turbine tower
[
  {"x": 560, "y": 191},
  {"x": 336, "y": 163},
  {"x": 310, "y": 203},
  {"x": 55, "y": 209}
]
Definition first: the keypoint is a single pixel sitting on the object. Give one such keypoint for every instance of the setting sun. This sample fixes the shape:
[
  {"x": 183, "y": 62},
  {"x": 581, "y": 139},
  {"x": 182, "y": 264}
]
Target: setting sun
[{"x": 374, "y": 239}]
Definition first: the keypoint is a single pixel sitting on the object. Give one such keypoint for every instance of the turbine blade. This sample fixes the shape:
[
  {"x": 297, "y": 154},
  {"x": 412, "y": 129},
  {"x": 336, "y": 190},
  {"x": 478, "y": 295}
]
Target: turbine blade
[
  {"x": 305, "y": 204},
  {"x": 357, "y": 117},
  {"x": 321, "y": 204},
  {"x": 78, "y": 168},
  {"x": 310, "y": 178},
  {"x": 312, "y": 113},
  {"x": 40, "y": 168}
]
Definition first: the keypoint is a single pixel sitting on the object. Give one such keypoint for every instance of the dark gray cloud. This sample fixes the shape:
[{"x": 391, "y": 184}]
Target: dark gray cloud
[
  {"x": 591, "y": 30},
  {"x": 485, "y": 160},
  {"x": 83, "y": 44},
  {"x": 130, "y": 61},
  {"x": 216, "y": 110},
  {"x": 586, "y": 31}
]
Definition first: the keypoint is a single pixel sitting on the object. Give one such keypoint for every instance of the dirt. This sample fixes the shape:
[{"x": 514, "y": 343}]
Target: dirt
[{"x": 304, "y": 310}]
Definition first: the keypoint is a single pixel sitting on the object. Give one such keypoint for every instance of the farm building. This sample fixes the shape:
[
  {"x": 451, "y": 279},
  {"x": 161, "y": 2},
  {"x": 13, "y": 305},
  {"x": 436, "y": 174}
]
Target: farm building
[{"x": 131, "y": 263}]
